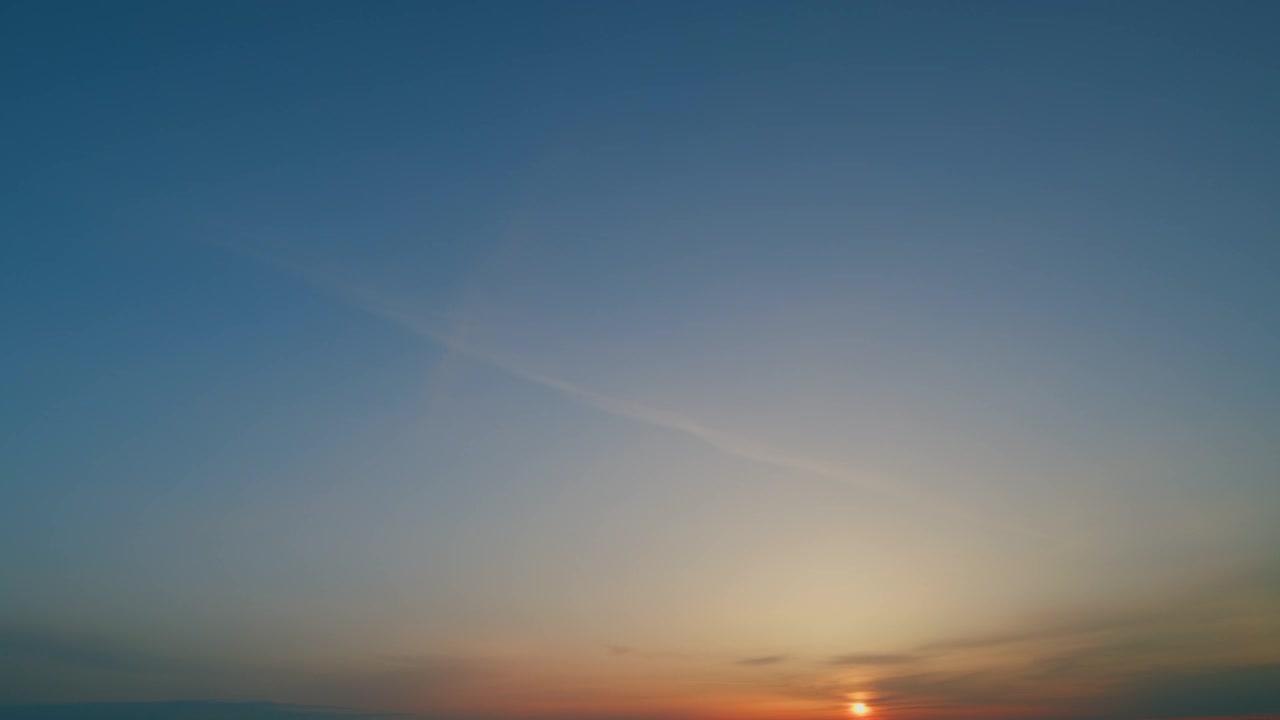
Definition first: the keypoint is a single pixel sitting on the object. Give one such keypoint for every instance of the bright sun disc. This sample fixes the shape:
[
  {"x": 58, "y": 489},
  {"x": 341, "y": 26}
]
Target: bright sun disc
[{"x": 859, "y": 709}]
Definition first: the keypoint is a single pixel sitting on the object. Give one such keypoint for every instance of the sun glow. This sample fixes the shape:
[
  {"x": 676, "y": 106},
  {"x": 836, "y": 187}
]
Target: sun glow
[{"x": 859, "y": 709}]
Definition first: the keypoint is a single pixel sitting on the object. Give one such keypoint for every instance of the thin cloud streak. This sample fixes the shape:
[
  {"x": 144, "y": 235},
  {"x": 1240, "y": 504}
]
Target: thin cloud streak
[
  {"x": 765, "y": 660},
  {"x": 874, "y": 659},
  {"x": 726, "y": 443}
]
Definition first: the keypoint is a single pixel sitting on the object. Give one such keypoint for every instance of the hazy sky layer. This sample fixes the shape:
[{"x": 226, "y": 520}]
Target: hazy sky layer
[{"x": 612, "y": 360}]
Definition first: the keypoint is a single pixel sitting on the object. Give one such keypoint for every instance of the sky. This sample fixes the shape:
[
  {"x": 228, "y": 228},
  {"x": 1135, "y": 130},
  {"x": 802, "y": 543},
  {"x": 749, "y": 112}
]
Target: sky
[{"x": 639, "y": 360}]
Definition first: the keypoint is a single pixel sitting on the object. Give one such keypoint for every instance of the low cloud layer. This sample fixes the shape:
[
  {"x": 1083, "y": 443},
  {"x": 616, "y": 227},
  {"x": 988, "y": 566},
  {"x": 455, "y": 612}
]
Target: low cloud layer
[
  {"x": 1209, "y": 652},
  {"x": 189, "y": 710},
  {"x": 28, "y": 643}
]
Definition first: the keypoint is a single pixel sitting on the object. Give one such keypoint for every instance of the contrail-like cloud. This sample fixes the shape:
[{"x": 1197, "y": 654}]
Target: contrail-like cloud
[{"x": 729, "y": 444}]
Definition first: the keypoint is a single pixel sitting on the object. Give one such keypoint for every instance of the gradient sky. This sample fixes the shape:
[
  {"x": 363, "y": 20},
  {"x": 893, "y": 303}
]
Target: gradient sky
[{"x": 705, "y": 360}]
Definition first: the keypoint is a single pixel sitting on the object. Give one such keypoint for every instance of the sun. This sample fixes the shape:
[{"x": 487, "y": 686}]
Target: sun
[{"x": 859, "y": 709}]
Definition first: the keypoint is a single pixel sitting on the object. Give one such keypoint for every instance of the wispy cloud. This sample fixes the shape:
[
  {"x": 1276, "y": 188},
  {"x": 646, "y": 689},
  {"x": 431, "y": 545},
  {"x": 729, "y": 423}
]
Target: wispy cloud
[
  {"x": 1208, "y": 651},
  {"x": 763, "y": 660},
  {"x": 23, "y": 643},
  {"x": 873, "y": 659},
  {"x": 632, "y": 652},
  {"x": 1204, "y": 653},
  {"x": 1057, "y": 628},
  {"x": 437, "y": 327}
]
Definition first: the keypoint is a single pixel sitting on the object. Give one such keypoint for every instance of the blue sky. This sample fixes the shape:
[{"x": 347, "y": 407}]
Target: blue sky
[{"x": 552, "y": 359}]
